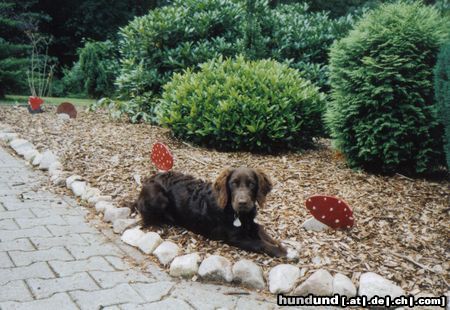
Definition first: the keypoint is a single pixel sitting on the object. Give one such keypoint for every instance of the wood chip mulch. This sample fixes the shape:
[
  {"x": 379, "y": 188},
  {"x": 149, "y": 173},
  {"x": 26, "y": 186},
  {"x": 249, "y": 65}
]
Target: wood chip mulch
[{"x": 402, "y": 227}]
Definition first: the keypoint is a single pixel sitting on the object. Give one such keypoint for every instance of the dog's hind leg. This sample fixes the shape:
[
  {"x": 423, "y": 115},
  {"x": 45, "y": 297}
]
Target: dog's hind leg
[{"x": 152, "y": 204}]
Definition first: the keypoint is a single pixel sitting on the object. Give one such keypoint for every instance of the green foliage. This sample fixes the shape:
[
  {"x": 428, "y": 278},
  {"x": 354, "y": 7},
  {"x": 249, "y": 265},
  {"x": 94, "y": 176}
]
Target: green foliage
[
  {"x": 175, "y": 37},
  {"x": 136, "y": 110},
  {"x": 336, "y": 8},
  {"x": 13, "y": 48},
  {"x": 73, "y": 81},
  {"x": 93, "y": 75},
  {"x": 382, "y": 115},
  {"x": 237, "y": 104},
  {"x": 442, "y": 94},
  {"x": 98, "y": 66},
  {"x": 304, "y": 38}
]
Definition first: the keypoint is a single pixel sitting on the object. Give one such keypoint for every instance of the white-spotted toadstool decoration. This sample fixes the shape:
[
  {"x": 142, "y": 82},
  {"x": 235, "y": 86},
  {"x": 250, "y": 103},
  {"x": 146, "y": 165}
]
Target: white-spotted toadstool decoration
[
  {"x": 331, "y": 211},
  {"x": 162, "y": 157}
]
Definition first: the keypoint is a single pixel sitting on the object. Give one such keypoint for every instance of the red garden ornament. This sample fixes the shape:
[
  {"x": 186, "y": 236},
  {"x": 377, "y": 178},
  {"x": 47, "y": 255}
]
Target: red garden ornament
[
  {"x": 162, "y": 157},
  {"x": 35, "y": 103},
  {"x": 67, "y": 108},
  {"x": 331, "y": 211}
]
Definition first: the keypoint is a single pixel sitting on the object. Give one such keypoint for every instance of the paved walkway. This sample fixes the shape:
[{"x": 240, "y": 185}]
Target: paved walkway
[{"x": 52, "y": 258}]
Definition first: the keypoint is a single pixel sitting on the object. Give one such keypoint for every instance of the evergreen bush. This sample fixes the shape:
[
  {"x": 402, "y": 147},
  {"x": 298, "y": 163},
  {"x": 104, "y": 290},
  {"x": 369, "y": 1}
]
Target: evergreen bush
[
  {"x": 172, "y": 38},
  {"x": 442, "y": 94},
  {"x": 382, "y": 116}
]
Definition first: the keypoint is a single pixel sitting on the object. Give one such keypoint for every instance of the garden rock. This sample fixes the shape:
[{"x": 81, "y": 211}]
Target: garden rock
[
  {"x": 72, "y": 179},
  {"x": 184, "y": 266},
  {"x": 18, "y": 142},
  {"x": 342, "y": 285},
  {"x": 8, "y": 136},
  {"x": 166, "y": 252},
  {"x": 312, "y": 224},
  {"x": 97, "y": 198},
  {"x": 131, "y": 236},
  {"x": 249, "y": 274},
  {"x": 78, "y": 188},
  {"x": 112, "y": 214},
  {"x": 90, "y": 191},
  {"x": 63, "y": 117},
  {"x": 24, "y": 148},
  {"x": 58, "y": 179},
  {"x": 48, "y": 158},
  {"x": 320, "y": 283},
  {"x": 120, "y": 225},
  {"x": 101, "y": 206},
  {"x": 292, "y": 254},
  {"x": 37, "y": 159},
  {"x": 55, "y": 168},
  {"x": 216, "y": 268},
  {"x": 30, "y": 155},
  {"x": 282, "y": 278},
  {"x": 21, "y": 146},
  {"x": 371, "y": 284},
  {"x": 148, "y": 242}
]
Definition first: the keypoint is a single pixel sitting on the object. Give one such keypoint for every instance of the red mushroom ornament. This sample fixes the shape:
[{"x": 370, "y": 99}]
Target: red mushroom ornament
[
  {"x": 67, "y": 108},
  {"x": 162, "y": 157},
  {"x": 331, "y": 211}
]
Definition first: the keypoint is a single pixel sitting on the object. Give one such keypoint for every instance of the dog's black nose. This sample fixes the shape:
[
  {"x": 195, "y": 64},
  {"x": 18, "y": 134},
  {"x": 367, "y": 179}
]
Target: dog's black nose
[{"x": 242, "y": 204}]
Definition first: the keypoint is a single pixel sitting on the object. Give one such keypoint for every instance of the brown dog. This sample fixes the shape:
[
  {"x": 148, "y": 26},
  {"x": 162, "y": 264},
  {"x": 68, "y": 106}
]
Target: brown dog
[{"x": 223, "y": 211}]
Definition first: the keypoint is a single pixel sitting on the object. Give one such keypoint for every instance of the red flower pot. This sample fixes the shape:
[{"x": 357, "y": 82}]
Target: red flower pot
[{"x": 35, "y": 103}]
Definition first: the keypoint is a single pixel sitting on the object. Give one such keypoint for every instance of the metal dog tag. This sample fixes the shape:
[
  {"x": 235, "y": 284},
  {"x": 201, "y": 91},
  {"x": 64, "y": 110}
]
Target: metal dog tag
[{"x": 237, "y": 222}]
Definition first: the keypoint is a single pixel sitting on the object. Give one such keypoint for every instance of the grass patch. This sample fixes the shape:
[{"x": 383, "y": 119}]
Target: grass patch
[{"x": 17, "y": 99}]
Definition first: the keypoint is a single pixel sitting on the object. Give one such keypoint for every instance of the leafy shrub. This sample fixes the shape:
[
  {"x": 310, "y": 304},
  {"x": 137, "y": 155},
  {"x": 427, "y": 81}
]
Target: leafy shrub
[
  {"x": 336, "y": 8},
  {"x": 187, "y": 33},
  {"x": 304, "y": 38},
  {"x": 442, "y": 93},
  {"x": 173, "y": 38},
  {"x": 237, "y": 104},
  {"x": 382, "y": 115}
]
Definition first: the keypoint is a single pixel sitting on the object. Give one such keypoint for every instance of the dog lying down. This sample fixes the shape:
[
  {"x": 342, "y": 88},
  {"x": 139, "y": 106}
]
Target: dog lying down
[{"x": 223, "y": 211}]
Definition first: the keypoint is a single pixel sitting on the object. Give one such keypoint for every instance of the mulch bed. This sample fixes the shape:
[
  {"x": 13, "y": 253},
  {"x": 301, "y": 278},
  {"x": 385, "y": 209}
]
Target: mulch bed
[{"x": 402, "y": 224}]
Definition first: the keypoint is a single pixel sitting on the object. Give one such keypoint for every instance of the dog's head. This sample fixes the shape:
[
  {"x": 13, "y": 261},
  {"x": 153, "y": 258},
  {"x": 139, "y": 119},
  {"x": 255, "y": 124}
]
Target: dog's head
[{"x": 242, "y": 188}]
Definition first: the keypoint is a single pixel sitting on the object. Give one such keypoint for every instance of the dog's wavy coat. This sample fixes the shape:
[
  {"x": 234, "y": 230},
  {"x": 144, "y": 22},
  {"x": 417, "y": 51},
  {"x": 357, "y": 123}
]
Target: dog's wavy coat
[{"x": 223, "y": 211}]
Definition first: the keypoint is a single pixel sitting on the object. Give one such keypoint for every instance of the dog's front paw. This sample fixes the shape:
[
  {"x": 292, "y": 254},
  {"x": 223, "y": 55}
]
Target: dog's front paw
[{"x": 280, "y": 251}]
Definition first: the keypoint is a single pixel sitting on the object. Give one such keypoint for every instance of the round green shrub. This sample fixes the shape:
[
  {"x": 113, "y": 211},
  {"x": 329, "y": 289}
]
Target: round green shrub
[
  {"x": 174, "y": 37},
  {"x": 382, "y": 116},
  {"x": 238, "y": 104},
  {"x": 442, "y": 94}
]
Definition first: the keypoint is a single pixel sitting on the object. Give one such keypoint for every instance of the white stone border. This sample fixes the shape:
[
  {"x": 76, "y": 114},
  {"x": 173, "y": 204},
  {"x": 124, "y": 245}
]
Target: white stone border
[{"x": 282, "y": 278}]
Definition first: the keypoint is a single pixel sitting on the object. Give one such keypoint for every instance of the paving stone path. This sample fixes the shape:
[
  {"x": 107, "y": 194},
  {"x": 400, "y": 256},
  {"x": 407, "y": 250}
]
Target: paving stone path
[{"x": 51, "y": 257}]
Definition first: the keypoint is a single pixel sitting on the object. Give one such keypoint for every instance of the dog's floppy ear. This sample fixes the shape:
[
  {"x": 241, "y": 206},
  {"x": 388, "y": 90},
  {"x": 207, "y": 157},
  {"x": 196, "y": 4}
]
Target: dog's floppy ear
[
  {"x": 264, "y": 187},
  {"x": 220, "y": 186}
]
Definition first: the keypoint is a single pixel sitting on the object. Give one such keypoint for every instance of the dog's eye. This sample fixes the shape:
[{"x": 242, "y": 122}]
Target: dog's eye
[
  {"x": 234, "y": 183},
  {"x": 251, "y": 185}
]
